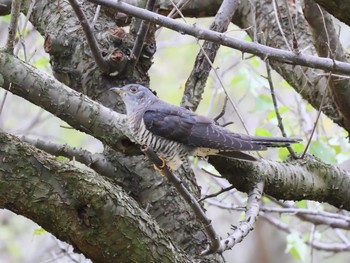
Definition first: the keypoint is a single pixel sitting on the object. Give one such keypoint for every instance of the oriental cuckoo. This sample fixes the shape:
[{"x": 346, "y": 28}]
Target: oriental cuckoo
[{"x": 175, "y": 133}]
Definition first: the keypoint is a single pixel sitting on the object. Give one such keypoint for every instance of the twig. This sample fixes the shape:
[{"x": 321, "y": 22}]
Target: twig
[
  {"x": 187, "y": 196},
  {"x": 97, "y": 161},
  {"x": 292, "y": 29},
  {"x": 97, "y": 13},
  {"x": 318, "y": 116},
  {"x": 15, "y": 13},
  {"x": 225, "y": 40},
  {"x": 223, "y": 190},
  {"x": 278, "y": 115},
  {"x": 247, "y": 224},
  {"x": 313, "y": 216},
  {"x": 222, "y": 111},
  {"x": 332, "y": 247},
  {"x": 140, "y": 37},
  {"x": 100, "y": 61}
]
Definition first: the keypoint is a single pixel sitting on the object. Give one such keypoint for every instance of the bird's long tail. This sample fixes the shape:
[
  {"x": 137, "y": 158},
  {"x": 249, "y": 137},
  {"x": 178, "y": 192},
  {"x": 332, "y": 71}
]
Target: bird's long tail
[{"x": 273, "y": 141}]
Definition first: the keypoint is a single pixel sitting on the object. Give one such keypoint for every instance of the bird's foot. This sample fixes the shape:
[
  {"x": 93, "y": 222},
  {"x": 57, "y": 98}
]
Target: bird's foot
[{"x": 160, "y": 167}]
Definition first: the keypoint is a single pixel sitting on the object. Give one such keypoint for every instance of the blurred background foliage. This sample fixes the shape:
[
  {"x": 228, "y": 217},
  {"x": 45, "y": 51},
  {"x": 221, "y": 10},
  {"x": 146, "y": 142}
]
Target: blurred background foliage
[{"x": 244, "y": 78}]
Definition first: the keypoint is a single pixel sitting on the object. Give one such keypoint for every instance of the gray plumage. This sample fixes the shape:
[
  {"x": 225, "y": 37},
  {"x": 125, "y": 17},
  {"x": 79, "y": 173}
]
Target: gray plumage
[{"x": 175, "y": 133}]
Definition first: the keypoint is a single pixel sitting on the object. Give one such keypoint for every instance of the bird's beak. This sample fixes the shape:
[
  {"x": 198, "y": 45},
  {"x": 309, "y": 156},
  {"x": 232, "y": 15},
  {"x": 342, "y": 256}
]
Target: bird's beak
[{"x": 118, "y": 90}]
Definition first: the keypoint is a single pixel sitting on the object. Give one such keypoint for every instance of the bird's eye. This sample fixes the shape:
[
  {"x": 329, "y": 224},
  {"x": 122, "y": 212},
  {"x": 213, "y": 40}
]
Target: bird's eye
[{"x": 133, "y": 89}]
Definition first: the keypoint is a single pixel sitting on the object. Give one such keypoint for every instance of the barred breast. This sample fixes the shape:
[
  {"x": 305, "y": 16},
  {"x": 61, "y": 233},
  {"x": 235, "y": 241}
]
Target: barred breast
[{"x": 174, "y": 153}]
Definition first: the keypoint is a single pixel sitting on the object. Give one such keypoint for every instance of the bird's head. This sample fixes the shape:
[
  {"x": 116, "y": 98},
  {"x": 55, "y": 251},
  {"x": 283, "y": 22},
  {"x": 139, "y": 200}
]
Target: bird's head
[{"x": 135, "y": 96}]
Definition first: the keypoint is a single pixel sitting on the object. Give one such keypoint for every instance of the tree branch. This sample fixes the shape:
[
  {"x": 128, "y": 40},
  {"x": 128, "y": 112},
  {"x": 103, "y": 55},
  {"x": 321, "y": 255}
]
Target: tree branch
[
  {"x": 296, "y": 180},
  {"x": 96, "y": 162},
  {"x": 220, "y": 38},
  {"x": 247, "y": 225},
  {"x": 100, "y": 61},
  {"x": 195, "y": 83},
  {"x": 79, "y": 207},
  {"x": 188, "y": 197},
  {"x": 15, "y": 12}
]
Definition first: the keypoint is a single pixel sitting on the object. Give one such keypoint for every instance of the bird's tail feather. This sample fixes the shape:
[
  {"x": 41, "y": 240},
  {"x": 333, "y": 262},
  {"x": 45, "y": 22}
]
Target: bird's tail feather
[{"x": 273, "y": 141}]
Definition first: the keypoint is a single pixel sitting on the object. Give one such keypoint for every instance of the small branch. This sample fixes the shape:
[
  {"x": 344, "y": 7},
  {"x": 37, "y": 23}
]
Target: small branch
[
  {"x": 223, "y": 110},
  {"x": 316, "y": 217},
  {"x": 246, "y": 225},
  {"x": 278, "y": 115},
  {"x": 223, "y": 190},
  {"x": 15, "y": 13},
  {"x": 140, "y": 37},
  {"x": 225, "y": 40},
  {"x": 96, "y": 161},
  {"x": 318, "y": 116},
  {"x": 332, "y": 247},
  {"x": 100, "y": 61},
  {"x": 187, "y": 196}
]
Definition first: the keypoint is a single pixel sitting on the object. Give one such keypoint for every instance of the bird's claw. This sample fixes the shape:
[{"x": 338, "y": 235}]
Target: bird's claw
[{"x": 162, "y": 166}]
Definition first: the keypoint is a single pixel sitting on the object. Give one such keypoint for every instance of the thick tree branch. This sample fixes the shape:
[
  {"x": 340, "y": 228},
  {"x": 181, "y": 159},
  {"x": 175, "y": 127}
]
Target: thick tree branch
[
  {"x": 96, "y": 161},
  {"x": 308, "y": 178},
  {"x": 44, "y": 90},
  {"x": 79, "y": 207}
]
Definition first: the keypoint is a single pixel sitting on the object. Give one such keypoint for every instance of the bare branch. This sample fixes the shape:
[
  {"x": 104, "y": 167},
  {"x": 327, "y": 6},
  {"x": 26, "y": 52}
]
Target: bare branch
[
  {"x": 15, "y": 12},
  {"x": 296, "y": 180},
  {"x": 248, "y": 47},
  {"x": 100, "y": 61},
  {"x": 187, "y": 196},
  {"x": 223, "y": 190},
  {"x": 247, "y": 225},
  {"x": 279, "y": 118},
  {"x": 140, "y": 37},
  {"x": 97, "y": 161},
  {"x": 332, "y": 247},
  {"x": 317, "y": 117}
]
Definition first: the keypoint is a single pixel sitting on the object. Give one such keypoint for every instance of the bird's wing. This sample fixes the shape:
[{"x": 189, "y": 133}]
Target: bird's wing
[{"x": 181, "y": 125}]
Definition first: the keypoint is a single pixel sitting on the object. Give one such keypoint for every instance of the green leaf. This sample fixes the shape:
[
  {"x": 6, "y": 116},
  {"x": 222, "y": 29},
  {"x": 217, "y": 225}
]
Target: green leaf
[
  {"x": 42, "y": 62},
  {"x": 236, "y": 79},
  {"x": 39, "y": 231},
  {"x": 301, "y": 204},
  {"x": 62, "y": 159},
  {"x": 323, "y": 151},
  {"x": 283, "y": 153},
  {"x": 296, "y": 246},
  {"x": 262, "y": 132},
  {"x": 263, "y": 103},
  {"x": 255, "y": 62}
]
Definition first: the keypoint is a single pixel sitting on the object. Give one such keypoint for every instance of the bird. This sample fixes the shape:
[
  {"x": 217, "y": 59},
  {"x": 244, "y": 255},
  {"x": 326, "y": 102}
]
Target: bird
[{"x": 175, "y": 133}]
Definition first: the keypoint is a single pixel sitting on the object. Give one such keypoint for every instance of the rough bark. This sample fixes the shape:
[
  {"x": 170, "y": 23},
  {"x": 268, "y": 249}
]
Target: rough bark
[{"x": 98, "y": 218}]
